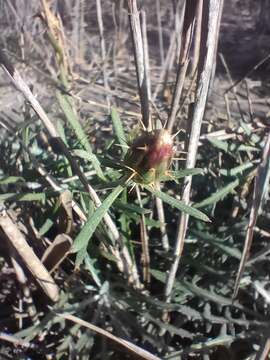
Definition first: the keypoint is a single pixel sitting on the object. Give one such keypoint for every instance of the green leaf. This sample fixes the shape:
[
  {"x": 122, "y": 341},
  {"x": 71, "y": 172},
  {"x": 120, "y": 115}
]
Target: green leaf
[
  {"x": 84, "y": 155},
  {"x": 131, "y": 207},
  {"x": 222, "y": 145},
  {"x": 180, "y": 205},
  {"x": 24, "y": 197},
  {"x": 11, "y": 180},
  {"x": 181, "y": 174},
  {"x": 236, "y": 170},
  {"x": 80, "y": 256},
  {"x": 46, "y": 226},
  {"x": 93, "y": 221},
  {"x": 186, "y": 286},
  {"x": 118, "y": 128},
  {"x": 217, "y": 242},
  {"x": 219, "y": 195},
  {"x": 173, "y": 330},
  {"x": 153, "y": 223},
  {"x": 224, "y": 340},
  {"x": 247, "y": 148},
  {"x": 90, "y": 265},
  {"x": 76, "y": 126}
]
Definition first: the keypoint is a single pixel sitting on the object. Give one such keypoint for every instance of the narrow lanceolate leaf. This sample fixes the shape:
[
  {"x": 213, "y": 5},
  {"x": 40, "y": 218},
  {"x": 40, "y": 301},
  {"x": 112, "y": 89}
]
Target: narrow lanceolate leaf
[
  {"x": 23, "y": 197},
  {"x": 220, "y": 144},
  {"x": 83, "y": 154},
  {"x": 93, "y": 221},
  {"x": 236, "y": 170},
  {"x": 219, "y": 195},
  {"x": 179, "y": 204},
  {"x": 181, "y": 174},
  {"x": 10, "y": 180},
  {"x": 188, "y": 287},
  {"x": 119, "y": 131},
  {"x": 82, "y": 137}
]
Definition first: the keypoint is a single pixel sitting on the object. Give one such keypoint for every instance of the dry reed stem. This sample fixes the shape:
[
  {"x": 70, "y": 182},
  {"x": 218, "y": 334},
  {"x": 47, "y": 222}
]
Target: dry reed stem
[
  {"x": 15, "y": 341},
  {"x": 261, "y": 180},
  {"x": 184, "y": 59},
  {"x": 196, "y": 53},
  {"x": 140, "y": 62},
  {"x": 132, "y": 348},
  {"x": 103, "y": 49},
  {"x": 161, "y": 218},
  {"x": 160, "y": 34},
  {"x": 210, "y": 31},
  {"x": 22, "y": 279},
  {"x": 34, "y": 265},
  {"x": 166, "y": 65},
  {"x": 144, "y": 241},
  {"x": 264, "y": 351},
  {"x": 146, "y": 63}
]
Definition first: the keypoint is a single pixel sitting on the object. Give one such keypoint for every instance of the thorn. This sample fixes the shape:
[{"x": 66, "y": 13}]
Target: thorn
[
  {"x": 132, "y": 188},
  {"x": 131, "y": 176},
  {"x": 123, "y": 146},
  {"x": 181, "y": 130},
  {"x": 152, "y": 186},
  {"x": 168, "y": 173},
  {"x": 141, "y": 122},
  {"x": 130, "y": 168},
  {"x": 144, "y": 148}
]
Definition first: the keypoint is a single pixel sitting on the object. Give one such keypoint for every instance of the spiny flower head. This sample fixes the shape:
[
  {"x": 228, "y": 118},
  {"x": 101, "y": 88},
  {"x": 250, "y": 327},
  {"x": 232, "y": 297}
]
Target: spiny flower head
[{"x": 150, "y": 155}]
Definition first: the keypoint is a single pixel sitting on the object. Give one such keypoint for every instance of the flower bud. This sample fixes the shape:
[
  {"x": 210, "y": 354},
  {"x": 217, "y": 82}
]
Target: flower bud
[{"x": 150, "y": 156}]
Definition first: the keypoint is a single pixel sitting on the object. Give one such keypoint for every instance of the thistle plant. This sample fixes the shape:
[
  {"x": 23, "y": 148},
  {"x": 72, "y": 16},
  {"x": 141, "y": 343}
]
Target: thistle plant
[
  {"x": 125, "y": 250},
  {"x": 150, "y": 156}
]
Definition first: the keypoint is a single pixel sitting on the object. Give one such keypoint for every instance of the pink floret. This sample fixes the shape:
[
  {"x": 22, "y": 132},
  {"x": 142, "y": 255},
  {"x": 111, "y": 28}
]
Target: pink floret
[{"x": 159, "y": 154}]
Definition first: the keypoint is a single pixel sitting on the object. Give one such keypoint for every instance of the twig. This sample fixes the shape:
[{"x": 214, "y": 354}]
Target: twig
[
  {"x": 146, "y": 63},
  {"x": 22, "y": 279},
  {"x": 34, "y": 265},
  {"x": 103, "y": 48},
  {"x": 197, "y": 41},
  {"x": 234, "y": 90},
  {"x": 261, "y": 182},
  {"x": 264, "y": 351},
  {"x": 12, "y": 339},
  {"x": 140, "y": 57},
  {"x": 250, "y": 107},
  {"x": 260, "y": 63},
  {"x": 211, "y": 15},
  {"x": 184, "y": 59},
  {"x": 139, "y": 352},
  {"x": 144, "y": 241},
  {"x": 161, "y": 218},
  {"x": 166, "y": 65},
  {"x": 160, "y": 35},
  {"x": 78, "y": 31}
]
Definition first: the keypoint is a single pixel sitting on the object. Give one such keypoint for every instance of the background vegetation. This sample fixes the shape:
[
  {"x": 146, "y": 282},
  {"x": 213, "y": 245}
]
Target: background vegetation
[{"x": 92, "y": 267}]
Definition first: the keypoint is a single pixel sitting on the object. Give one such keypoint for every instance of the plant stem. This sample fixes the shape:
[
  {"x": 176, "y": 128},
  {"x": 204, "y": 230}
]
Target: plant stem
[{"x": 211, "y": 17}]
